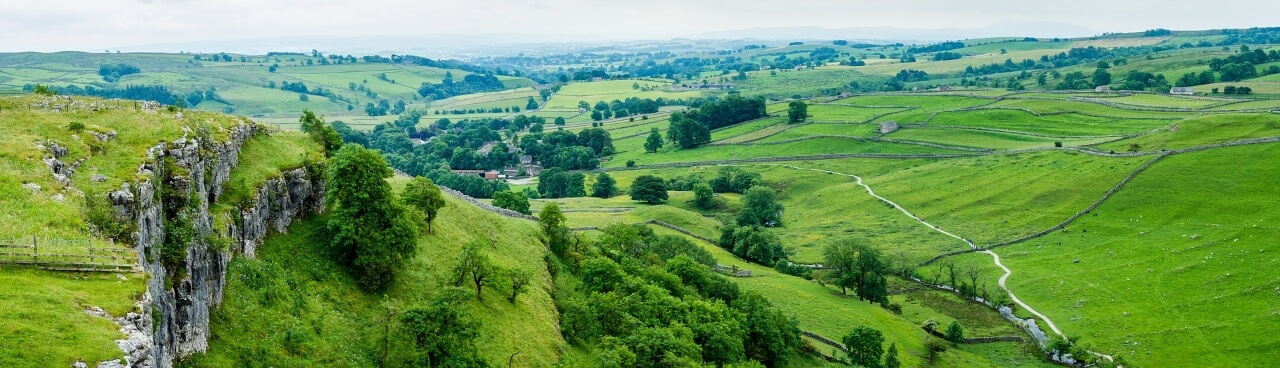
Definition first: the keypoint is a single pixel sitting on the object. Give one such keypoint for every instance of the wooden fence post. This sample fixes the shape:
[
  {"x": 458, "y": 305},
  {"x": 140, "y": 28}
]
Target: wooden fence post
[
  {"x": 89, "y": 242},
  {"x": 35, "y": 249}
]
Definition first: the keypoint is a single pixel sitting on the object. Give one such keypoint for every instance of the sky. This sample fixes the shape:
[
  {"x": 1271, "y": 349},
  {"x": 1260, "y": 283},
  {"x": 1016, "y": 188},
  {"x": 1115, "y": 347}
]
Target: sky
[{"x": 95, "y": 25}]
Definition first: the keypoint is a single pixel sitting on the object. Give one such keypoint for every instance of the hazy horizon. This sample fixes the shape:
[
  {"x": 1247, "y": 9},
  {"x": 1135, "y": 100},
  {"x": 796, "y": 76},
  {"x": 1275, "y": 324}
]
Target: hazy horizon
[{"x": 94, "y": 26}]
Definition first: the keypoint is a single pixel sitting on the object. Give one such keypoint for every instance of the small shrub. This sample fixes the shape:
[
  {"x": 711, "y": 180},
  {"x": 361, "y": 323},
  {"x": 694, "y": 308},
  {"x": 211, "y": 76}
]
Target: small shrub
[
  {"x": 631, "y": 163},
  {"x": 75, "y": 126},
  {"x": 1057, "y": 144},
  {"x": 895, "y": 308}
]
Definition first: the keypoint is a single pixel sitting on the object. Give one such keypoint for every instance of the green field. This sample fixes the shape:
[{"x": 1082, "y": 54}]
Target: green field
[
  {"x": 1152, "y": 273},
  {"x": 1062, "y": 125},
  {"x": 987, "y": 139}
]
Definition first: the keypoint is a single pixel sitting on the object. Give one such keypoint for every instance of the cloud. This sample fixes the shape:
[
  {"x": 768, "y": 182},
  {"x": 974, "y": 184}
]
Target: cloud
[{"x": 96, "y": 24}]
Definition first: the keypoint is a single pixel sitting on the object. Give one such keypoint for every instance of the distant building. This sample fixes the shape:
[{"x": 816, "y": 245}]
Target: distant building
[
  {"x": 846, "y": 94},
  {"x": 1186, "y": 91},
  {"x": 1102, "y": 89},
  {"x": 942, "y": 89},
  {"x": 888, "y": 127},
  {"x": 490, "y": 175},
  {"x": 488, "y": 146},
  {"x": 526, "y": 159},
  {"x": 479, "y": 173},
  {"x": 532, "y": 170}
]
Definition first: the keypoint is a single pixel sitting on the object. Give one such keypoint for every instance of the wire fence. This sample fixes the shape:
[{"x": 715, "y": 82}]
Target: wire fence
[{"x": 84, "y": 255}]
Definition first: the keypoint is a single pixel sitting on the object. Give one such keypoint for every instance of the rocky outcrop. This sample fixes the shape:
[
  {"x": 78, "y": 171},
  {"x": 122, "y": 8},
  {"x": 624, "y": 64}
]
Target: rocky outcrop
[{"x": 183, "y": 179}]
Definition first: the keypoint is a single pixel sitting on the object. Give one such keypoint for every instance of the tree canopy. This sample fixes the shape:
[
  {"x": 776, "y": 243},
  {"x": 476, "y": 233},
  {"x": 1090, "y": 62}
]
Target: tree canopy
[
  {"x": 649, "y": 188},
  {"x": 368, "y": 228},
  {"x": 424, "y": 195}
]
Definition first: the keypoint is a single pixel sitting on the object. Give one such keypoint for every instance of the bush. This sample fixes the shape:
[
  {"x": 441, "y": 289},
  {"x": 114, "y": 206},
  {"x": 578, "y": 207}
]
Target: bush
[
  {"x": 75, "y": 126},
  {"x": 1057, "y": 144},
  {"x": 631, "y": 163}
]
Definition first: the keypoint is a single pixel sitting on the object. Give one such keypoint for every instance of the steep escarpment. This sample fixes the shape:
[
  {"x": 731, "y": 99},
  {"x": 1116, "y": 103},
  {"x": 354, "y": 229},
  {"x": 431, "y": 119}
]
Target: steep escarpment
[{"x": 175, "y": 208}]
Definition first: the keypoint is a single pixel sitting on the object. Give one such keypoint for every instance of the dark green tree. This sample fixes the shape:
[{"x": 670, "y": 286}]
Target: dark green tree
[
  {"x": 760, "y": 207},
  {"x": 1101, "y": 77},
  {"x": 553, "y": 228},
  {"x": 702, "y": 196},
  {"x": 654, "y": 142},
  {"x": 531, "y": 105},
  {"x": 368, "y": 228},
  {"x": 512, "y": 200},
  {"x": 649, "y": 188},
  {"x": 441, "y": 333},
  {"x": 865, "y": 345},
  {"x": 424, "y": 195},
  {"x": 321, "y": 133},
  {"x": 955, "y": 333},
  {"x": 772, "y": 335},
  {"x": 604, "y": 187},
  {"x": 891, "y": 357},
  {"x": 797, "y": 111}
]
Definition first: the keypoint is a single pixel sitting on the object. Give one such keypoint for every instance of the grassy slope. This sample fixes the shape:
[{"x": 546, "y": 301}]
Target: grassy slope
[
  {"x": 310, "y": 299},
  {"x": 1204, "y": 130},
  {"x": 1176, "y": 269},
  {"x": 49, "y": 321}
]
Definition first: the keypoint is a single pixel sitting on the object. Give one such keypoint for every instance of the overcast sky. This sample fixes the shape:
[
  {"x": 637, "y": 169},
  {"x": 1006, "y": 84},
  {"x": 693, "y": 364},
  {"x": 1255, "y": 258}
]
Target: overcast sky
[{"x": 94, "y": 25}]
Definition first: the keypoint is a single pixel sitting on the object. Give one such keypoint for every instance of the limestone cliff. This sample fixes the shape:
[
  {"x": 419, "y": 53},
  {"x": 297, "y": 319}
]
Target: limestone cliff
[{"x": 180, "y": 248}]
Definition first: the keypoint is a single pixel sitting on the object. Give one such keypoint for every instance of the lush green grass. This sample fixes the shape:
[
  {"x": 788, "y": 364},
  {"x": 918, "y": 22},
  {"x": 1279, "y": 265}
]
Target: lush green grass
[
  {"x": 855, "y": 130},
  {"x": 295, "y": 306},
  {"x": 593, "y": 92},
  {"x": 746, "y": 128},
  {"x": 838, "y": 113},
  {"x": 43, "y": 319},
  {"x": 1203, "y": 130},
  {"x": 814, "y": 146},
  {"x": 1175, "y": 269},
  {"x": 986, "y": 139},
  {"x": 1144, "y": 99},
  {"x": 1041, "y": 106},
  {"x": 1055, "y": 125},
  {"x": 264, "y": 157},
  {"x": 1001, "y": 197}
]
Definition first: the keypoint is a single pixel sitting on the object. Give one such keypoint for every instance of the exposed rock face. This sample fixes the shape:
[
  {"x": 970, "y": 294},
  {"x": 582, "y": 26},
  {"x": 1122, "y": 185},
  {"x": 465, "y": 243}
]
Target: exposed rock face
[{"x": 201, "y": 168}]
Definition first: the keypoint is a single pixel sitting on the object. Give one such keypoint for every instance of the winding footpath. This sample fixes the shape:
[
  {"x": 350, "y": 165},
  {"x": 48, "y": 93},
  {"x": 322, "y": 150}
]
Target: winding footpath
[{"x": 994, "y": 256}]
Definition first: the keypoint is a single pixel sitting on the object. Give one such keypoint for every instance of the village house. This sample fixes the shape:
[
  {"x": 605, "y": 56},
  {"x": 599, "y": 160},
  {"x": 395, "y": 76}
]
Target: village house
[
  {"x": 1185, "y": 91},
  {"x": 1102, "y": 89}
]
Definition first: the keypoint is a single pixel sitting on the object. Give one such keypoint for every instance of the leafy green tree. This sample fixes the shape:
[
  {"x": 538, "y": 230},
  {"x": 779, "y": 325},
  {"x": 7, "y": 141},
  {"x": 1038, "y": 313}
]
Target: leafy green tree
[
  {"x": 671, "y": 346},
  {"x": 772, "y": 335},
  {"x": 857, "y": 266},
  {"x": 531, "y": 104},
  {"x": 649, "y": 188},
  {"x": 865, "y": 345},
  {"x": 891, "y": 357},
  {"x": 368, "y": 228},
  {"x": 955, "y": 333},
  {"x": 797, "y": 111},
  {"x": 933, "y": 348},
  {"x": 654, "y": 142},
  {"x": 441, "y": 333},
  {"x": 753, "y": 243},
  {"x": 515, "y": 201},
  {"x": 325, "y": 135},
  {"x": 703, "y": 196},
  {"x": 604, "y": 187},
  {"x": 474, "y": 267},
  {"x": 560, "y": 121},
  {"x": 1101, "y": 77},
  {"x": 517, "y": 282},
  {"x": 553, "y": 228},
  {"x": 424, "y": 195},
  {"x": 596, "y": 115},
  {"x": 760, "y": 207},
  {"x": 687, "y": 132}
]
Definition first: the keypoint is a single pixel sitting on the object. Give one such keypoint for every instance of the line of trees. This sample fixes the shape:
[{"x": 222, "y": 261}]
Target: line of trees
[{"x": 691, "y": 128}]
